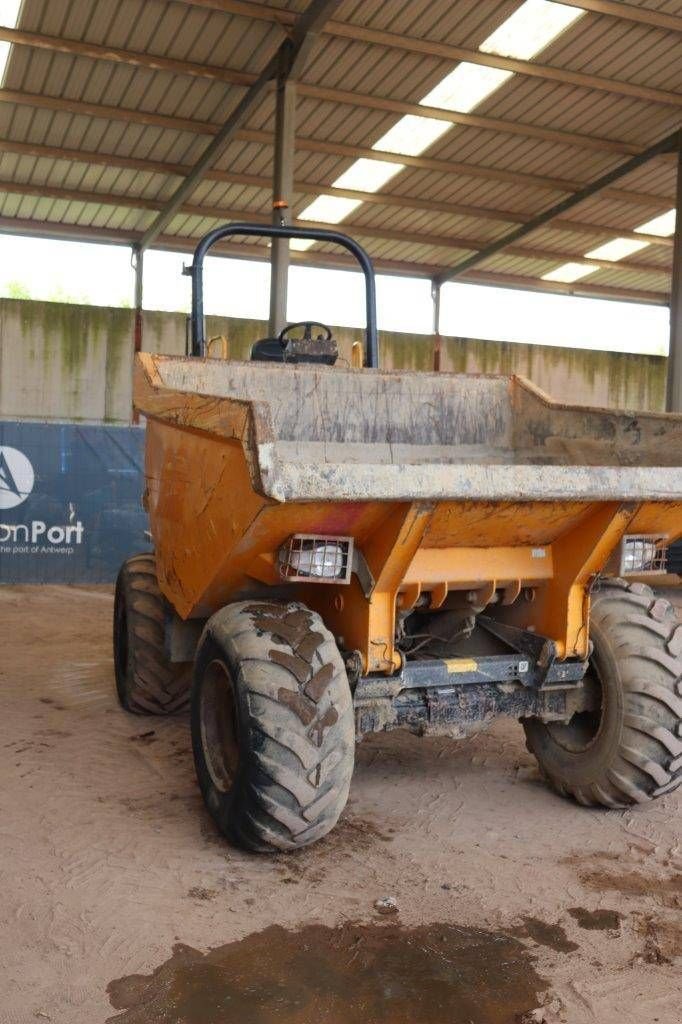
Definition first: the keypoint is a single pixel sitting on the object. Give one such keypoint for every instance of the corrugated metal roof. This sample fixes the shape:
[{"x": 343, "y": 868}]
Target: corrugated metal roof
[{"x": 99, "y": 143}]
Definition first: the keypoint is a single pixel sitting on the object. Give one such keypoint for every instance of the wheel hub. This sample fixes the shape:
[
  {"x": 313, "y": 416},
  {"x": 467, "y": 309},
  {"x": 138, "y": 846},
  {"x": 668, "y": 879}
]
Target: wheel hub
[{"x": 578, "y": 735}]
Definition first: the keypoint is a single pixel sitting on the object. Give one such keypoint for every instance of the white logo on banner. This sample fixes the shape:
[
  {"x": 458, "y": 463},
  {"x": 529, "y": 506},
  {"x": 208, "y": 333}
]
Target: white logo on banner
[
  {"x": 16, "y": 483},
  {"x": 16, "y": 477}
]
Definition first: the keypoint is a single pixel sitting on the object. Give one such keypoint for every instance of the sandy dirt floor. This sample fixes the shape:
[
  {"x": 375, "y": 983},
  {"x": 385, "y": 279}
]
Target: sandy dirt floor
[{"x": 108, "y": 859}]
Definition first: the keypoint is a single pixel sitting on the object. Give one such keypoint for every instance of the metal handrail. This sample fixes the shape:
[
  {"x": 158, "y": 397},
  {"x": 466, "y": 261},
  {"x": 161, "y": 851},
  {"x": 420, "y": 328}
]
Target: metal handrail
[{"x": 196, "y": 272}]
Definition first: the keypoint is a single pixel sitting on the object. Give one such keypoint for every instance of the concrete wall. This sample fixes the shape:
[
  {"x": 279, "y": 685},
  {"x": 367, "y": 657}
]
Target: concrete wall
[
  {"x": 67, "y": 362},
  {"x": 64, "y": 362}
]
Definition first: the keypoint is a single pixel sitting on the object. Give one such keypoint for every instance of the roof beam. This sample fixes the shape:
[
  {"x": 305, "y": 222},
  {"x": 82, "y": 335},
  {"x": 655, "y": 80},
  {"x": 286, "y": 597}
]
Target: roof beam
[
  {"x": 325, "y": 94},
  {"x": 260, "y": 181},
  {"x": 619, "y": 9},
  {"x": 354, "y": 99},
  {"x": 259, "y": 12},
  {"x": 108, "y": 113},
  {"x": 530, "y": 68},
  {"x": 627, "y": 12},
  {"x": 223, "y": 214},
  {"x": 309, "y": 187},
  {"x": 267, "y": 138},
  {"x": 260, "y": 137},
  {"x": 579, "y": 288},
  {"x": 292, "y": 51},
  {"x": 582, "y": 228},
  {"x": 117, "y": 55},
  {"x": 345, "y": 30},
  {"x": 454, "y": 167},
  {"x": 667, "y": 145},
  {"x": 70, "y": 232}
]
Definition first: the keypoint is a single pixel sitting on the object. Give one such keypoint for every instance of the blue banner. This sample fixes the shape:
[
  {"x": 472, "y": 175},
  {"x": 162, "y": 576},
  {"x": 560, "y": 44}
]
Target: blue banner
[{"x": 70, "y": 501}]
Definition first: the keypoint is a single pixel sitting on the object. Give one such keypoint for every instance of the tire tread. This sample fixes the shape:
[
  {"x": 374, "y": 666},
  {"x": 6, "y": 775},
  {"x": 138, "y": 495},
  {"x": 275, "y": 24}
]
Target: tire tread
[
  {"x": 152, "y": 684},
  {"x": 644, "y": 632},
  {"x": 287, "y": 666}
]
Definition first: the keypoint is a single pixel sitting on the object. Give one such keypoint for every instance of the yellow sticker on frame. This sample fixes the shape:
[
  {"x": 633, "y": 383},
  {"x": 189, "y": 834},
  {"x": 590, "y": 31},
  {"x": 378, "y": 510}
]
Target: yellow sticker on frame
[{"x": 454, "y": 665}]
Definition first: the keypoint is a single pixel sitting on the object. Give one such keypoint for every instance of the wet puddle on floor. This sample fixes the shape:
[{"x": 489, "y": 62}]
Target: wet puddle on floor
[
  {"x": 612, "y": 872},
  {"x": 596, "y": 920},
  {"x": 543, "y": 933},
  {"x": 355, "y": 974}
]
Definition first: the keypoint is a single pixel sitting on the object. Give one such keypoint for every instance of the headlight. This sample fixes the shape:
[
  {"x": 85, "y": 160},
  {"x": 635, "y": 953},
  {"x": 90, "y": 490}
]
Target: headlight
[
  {"x": 643, "y": 554},
  {"x": 310, "y": 557}
]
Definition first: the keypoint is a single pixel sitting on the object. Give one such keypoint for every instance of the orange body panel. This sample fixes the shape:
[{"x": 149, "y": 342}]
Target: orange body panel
[
  {"x": 216, "y": 539},
  {"x": 217, "y": 535},
  {"x": 661, "y": 517}
]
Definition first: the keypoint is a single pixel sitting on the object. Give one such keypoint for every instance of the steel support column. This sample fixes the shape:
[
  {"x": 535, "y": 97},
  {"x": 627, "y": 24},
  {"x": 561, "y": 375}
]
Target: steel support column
[
  {"x": 674, "y": 389},
  {"x": 282, "y": 187},
  {"x": 437, "y": 341},
  {"x": 138, "y": 264}
]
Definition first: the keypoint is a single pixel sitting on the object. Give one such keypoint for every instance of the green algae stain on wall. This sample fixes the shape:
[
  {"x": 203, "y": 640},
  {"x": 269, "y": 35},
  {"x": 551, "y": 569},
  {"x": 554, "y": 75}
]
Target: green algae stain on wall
[
  {"x": 454, "y": 355},
  {"x": 406, "y": 351},
  {"x": 77, "y": 351},
  {"x": 75, "y": 362},
  {"x": 155, "y": 327},
  {"x": 581, "y": 376},
  {"x": 640, "y": 386},
  {"x": 63, "y": 329},
  {"x": 119, "y": 349}
]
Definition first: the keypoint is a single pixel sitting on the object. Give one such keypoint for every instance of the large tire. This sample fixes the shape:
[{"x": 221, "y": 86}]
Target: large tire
[
  {"x": 146, "y": 682},
  {"x": 630, "y": 750},
  {"x": 272, "y": 725}
]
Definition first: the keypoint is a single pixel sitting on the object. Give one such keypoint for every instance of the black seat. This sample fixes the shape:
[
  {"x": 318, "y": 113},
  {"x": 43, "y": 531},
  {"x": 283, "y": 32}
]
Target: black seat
[{"x": 268, "y": 350}]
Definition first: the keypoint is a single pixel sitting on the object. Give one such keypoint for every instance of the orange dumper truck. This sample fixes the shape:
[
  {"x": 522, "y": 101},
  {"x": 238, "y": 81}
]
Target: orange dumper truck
[{"x": 341, "y": 551}]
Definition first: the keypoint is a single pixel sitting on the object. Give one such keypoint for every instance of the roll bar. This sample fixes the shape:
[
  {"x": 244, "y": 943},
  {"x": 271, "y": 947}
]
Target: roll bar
[{"x": 196, "y": 272}]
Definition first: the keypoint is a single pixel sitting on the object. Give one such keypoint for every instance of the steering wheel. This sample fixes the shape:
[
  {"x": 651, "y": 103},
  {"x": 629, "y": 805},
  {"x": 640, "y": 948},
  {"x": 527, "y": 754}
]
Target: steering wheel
[{"x": 307, "y": 325}]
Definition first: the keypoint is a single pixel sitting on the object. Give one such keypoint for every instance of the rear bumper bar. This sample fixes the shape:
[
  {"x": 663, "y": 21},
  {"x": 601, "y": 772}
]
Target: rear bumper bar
[
  {"x": 454, "y": 694},
  {"x": 498, "y": 668}
]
